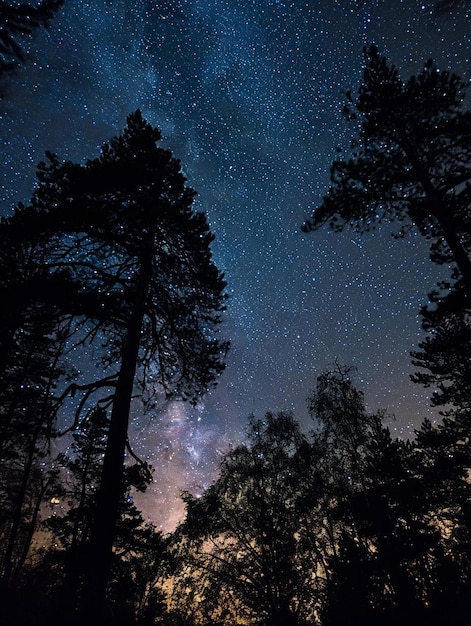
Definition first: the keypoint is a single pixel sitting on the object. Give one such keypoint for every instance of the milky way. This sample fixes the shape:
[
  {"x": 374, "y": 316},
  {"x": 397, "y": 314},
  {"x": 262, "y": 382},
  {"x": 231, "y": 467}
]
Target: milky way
[{"x": 248, "y": 95}]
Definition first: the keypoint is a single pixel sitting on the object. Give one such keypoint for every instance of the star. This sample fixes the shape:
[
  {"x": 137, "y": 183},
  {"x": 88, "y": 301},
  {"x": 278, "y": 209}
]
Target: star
[{"x": 248, "y": 95}]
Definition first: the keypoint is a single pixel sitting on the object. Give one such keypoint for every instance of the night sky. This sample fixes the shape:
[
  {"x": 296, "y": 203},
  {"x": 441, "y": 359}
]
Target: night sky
[{"x": 248, "y": 95}]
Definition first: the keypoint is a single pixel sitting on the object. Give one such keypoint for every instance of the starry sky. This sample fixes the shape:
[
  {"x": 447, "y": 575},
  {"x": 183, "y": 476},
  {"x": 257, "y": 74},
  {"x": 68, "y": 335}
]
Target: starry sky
[{"x": 248, "y": 95}]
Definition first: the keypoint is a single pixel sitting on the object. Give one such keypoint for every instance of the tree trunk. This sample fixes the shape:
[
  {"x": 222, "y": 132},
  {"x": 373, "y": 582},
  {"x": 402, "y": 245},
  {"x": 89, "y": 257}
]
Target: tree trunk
[
  {"x": 459, "y": 253},
  {"x": 18, "y": 517},
  {"x": 31, "y": 530},
  {"x": 98, "y": 561}
]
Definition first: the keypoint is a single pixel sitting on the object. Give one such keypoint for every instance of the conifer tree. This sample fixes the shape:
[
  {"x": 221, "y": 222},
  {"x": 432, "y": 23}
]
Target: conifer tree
[
  {"x": 29, "y": 377},
  {"x": 141, "y": 285},
  {"x": 445, "y": 354},
  {"x": 410, "y": 163}
]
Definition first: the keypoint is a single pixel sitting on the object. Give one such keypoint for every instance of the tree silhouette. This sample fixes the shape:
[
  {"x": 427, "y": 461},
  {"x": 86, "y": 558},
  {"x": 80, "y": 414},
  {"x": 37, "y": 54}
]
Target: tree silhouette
[
  {"x": 411, "y": 162},
  {"x": 347, "y": 523},
  {"x": 267, "y": 540},
  {"x": 121, "y": 230},
  {"x": 81, "y": 468},
  {"x": 444, "y": 457},
  {"x": 398, "y": 511},
  {"x": 240, "y": 537},
  {"x": 29, "y": 377},
  {"x": 19, "y": 20},
  {"x": 445, "y": 353},
  {"x": 138, "y": 548}
]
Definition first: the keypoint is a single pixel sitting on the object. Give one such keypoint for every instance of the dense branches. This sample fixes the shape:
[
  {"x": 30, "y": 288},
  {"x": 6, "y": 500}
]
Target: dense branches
[
  {"x": 345, "y": 523},
  {"x": 241, "y": 534},
  {"x": 139, "y": 284},
  {"x": 410, "y": 163},
  {"x": 445, "y": 353},
  {"x": 21, "y": 20}
]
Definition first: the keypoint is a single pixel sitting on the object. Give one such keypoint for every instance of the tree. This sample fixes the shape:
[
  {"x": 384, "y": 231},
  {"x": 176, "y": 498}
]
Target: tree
[
  {"x": 28, "y": 381},
  {"x": 444, "y": 450},
  {"x": 343, "y": 423},
  {"x": 343, "y": 430},
  {"x": 445, "y": 353},
  {"x": 345, "y": 524},
  {"x": 138, "y": 547},
  {"x": 34, "y": 336},
  {"x": 21, "y": 20},
  {"x": 241, "y": 550},
  {"x": 411, "y": 162},
  {"x": 81, "y": 469},
  {"x": 396, "y": 514},
  {"x": 122, "y": 231}
]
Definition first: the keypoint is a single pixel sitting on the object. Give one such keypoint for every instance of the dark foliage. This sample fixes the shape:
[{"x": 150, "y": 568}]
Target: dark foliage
[
  {"x": 347, "y": 525},
  {"x": 445, "y": 354},
  {"x": 411, "y": 162},
  {"x": 240, "y": 535},
  {"x": 120, "y": 234},
  {"x": 138, "y": 547},
  {"x": 30, "y": 372},
  {"x": 16, "y": 21}
]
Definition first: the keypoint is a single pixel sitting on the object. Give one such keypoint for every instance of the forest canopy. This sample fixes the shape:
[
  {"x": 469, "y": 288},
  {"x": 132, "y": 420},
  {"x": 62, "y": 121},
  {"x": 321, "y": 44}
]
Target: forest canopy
[{"x": 327, "y": 523}]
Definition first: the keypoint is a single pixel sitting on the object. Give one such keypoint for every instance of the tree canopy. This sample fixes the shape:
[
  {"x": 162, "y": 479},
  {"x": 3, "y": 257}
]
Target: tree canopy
[
  {"x": 120, "y": 235},
  {"x": 410, "y": 163},
  {"x": 344, "y": 523}
]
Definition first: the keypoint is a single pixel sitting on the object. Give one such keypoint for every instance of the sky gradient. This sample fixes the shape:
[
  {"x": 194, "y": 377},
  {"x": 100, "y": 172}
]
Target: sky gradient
[{"x": 248, "y": 94}]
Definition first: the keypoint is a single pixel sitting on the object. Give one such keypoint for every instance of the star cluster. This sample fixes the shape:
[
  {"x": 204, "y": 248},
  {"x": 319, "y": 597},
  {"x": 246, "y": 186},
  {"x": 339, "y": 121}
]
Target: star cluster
[{"x": 248, "y": 95}]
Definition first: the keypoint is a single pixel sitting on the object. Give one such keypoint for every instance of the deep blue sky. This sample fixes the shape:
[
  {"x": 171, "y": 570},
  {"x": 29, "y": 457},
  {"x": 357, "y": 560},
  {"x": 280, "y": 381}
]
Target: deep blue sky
[{"x": 248, "y": 95}]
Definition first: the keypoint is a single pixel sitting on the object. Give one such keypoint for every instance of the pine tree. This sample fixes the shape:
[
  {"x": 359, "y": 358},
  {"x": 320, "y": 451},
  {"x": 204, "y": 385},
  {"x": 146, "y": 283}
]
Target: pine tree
[
  {"x": 411, "y": 162},
  {"x": 121, "y": 233},
  {"x": 137, "y": 544},
  {"x": 29, "y": 378},
  {"x": 445, "y": 354}
]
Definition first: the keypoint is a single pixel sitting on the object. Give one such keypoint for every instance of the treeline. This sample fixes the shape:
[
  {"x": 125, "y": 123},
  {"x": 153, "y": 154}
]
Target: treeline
[
  {"x": 111, "y": 300},
  {"x": 345, "y": 525},
  {"x": 342, "y": 524}
]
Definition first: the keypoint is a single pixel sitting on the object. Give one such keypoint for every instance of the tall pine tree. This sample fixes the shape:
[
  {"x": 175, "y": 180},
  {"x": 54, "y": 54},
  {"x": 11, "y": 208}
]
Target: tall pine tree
[
  {"x": 122, "y": 231},
  {"x": 411, "y": 161}
]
